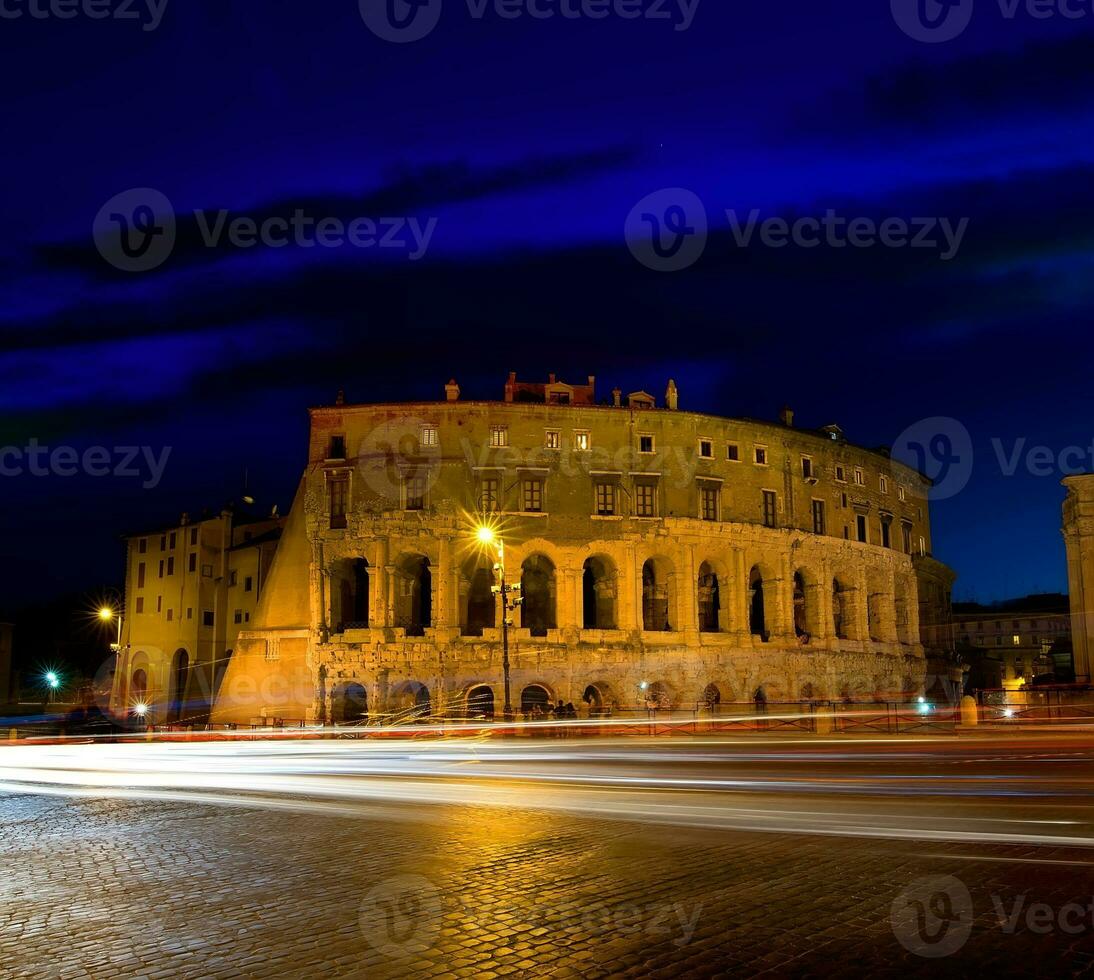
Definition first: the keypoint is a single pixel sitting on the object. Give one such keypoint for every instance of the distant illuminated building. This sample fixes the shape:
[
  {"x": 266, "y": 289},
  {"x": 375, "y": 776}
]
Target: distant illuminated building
[{"x": 709, "y": 559}]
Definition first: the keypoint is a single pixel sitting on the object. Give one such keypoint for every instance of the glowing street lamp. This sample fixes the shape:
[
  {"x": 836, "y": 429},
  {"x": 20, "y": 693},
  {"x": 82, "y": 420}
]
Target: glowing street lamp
[{"x": 510, "y": 599}]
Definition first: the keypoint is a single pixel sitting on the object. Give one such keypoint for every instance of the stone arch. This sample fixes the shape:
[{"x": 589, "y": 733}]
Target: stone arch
[
  {"x": 657, "y": 594},
  {"x": 411, "y": 699},
  {"x": 539, "y": 594},
  {"x": 349, "y": 594},
  {"x": 350, "y": 703},
  {"x": 713, "y": 598},
  {"x": 178, "y": 682},
  {"x": 535, "y": 696},
  {"x": 480, "y": 702},
  {"x": 138, "y": 687},
  {"x": 711, "y": 696},
  {"x": 600, "y": 697},
  {"x": 413, "y": 593},
  {"x": 757, "y": 605},
  {"x": 480, "y": 604},
  {"x": 659, "y": 695},
  {"x": 599, "y": 588}
]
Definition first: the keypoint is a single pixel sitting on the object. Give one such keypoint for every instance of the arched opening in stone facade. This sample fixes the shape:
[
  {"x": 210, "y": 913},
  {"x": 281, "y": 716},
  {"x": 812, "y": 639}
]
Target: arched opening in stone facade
[
  {"x": 659, "y": 696},
  {"x": 802, "y": 625},
  {"x": 656, "y": 595},
  {"x": 710, "y": 599},
  {"x": 594, "y": 698},
  {"x": 413, "y": 594},
  {"x": 533, "y": 697},
  {"x": 482, "y": 603},
  {"x": 712, "y": 697},
  {"x": 349, "y": 595},
  {"x": 757, "y": 614},
  {"x": 180, "y": 675},
  {"x": 840, "y": 617},
  {"x": 411, "y": 700},
  {"x": 480, "y": 702},
  {"x": 538, "y": 592},
  {"x": 350, "y": 703},
  {"x": 598, "y": 587},
  {"x": 138, "y": 687}
]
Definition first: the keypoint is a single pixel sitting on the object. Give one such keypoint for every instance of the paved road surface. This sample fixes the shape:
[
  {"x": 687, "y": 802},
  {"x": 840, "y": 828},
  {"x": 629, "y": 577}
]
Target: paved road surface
[{"x": 691, "y": 857}]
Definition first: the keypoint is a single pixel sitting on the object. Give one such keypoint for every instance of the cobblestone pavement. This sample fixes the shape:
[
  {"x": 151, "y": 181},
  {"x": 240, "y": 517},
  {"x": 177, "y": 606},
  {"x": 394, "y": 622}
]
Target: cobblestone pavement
[{"x": 153, "y": 888}]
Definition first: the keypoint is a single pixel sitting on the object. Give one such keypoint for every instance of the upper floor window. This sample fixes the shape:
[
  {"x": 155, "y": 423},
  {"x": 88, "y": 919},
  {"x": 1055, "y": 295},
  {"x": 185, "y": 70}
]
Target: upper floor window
[
  {"x": 906, "y": 538},
  {"x": 193, "y": 537},
  {"x": 860, "y": 527},
  {"x": 174, "y": 540},
  {"x": 248, "y": 584},
  {"x": 163, "y": 542},
  {"x": 553, "y": 439},
  {"x": 818, "y": 517},
  {"x": 883, "y": 484},
  {"x": 489, "y": 498},
  {"x": 708, "y": 501},
  {"x": 605, "y": 499},
  {"x": 207, "y": 617},
  {"x": 192, "y": 562},
  {"x": 140, "y": 575},
  {"x": 900, "y": 492},
  {"x": 232, "y": 577},
  {"x": 706, "y": 449},
  {"x": 645, "y": 444},
  {"x": 499, "y": 435},
  {"x": 841, "y": 475},
  {"x": 532, "y": 492},
  {"x": 885, "y": 537},
  {"x": 336, "y": 448},
  {"x": 142, "y": 546},
  {"x": 581, "y": 440},
  {"x": 771, "y": 506},
  {"x": 140, "y": 603},
  {"x": 415, "y": 491},
  {"x": 645, "y": 500},
  {"x": 807, "y": 467},
  {"x": 338, "y": 491},
  {"x": 860, "y": 479},
  {"x": 429, "y": 437},
  {"x": 733, "y": 452},
  {"x": 761, "y": 455}
]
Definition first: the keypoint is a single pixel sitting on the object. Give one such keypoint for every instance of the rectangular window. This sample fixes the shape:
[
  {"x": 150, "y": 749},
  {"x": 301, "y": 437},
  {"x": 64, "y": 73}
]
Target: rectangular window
[
  {"x": 207, "y": 617},
  {"x": 922, "y": 545},
  {"x": 645, "y": 500},
  {"x": 429, "y": 437},
  {"x": 841, "y": 476},
  {"x": 142, "y": 546},
  {"x": 733, "y": 452},
  {"x": 883, "y": 484},
  {"x": 238, "y": 617},
  {"x": 206, "y": 571},
  {"x": 159, "y": 603},
  {"x": 706, "y": 449},
  {"x": 415, "y": 492},
  {"x": 771, "y": 504},
  {"x": 906, "y": 538},
  {"x": 760, "y": 455},
  {"x": 161, "y": 568},
  {"x": 189, "y": 612},
  {"x": 499, "y": 436},
  {"x": 338, "y": 491},
  {"x": 807, "y": 467},
  {"x": 553, "y": 439},
  {"x": 171, "y": 565},
  {"x": 860, "y": 479},
  {"x": 860, "y": 525},
  {"x": 233, "y": 577},
  {"x": 645, "y": 444},
  {"x": 708, "y": 501},
  {"x": 533, "y": 495},
  {"x": 170, "y": 615},
  {"x": 336, "y": 448},
  {"x": 140, "y": 575},
  {"x": 1017, "y": 640},
  {"x": 192, "y": 562},
  {"x": 885, "y": 536},
  {"x": 843, "y": 499},
  {"x": 581, "y": 440},
  {"x": 193, "y": 537},
  {"x": 900, "y": 492},
  {"x": 173, "y": 539},
  {"x": 605, "y": 499},
  {"x": 489, "y": 499},
  {"x": 140, "y": 603},
  {"x": 248, "y": 584},
  {"x": 163, "y": 542},
  {"x": 818, "y": 517}
]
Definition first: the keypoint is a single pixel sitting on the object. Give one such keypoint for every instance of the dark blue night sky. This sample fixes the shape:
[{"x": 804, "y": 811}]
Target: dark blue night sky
[{"x": 530, "y": 141}]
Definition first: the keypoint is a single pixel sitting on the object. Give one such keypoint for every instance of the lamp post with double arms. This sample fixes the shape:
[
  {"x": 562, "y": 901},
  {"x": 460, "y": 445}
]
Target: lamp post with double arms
[{"x": 509, "y": 593}]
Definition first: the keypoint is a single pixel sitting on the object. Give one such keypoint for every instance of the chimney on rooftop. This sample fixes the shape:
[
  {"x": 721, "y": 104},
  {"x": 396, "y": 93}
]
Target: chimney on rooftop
[
  {"x": 550, "y": 379},
  {"x": 786, "y": 416},
  {"x": 452, "y": 391},
  {"x": 617, "y": 397},
  {"x": 340, "y": 398},
  {"x": 672, "y": 396}
]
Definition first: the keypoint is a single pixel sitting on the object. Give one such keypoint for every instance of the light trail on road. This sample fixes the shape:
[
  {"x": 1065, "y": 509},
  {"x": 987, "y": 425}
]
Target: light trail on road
[{"x": 1034, "y": 791}]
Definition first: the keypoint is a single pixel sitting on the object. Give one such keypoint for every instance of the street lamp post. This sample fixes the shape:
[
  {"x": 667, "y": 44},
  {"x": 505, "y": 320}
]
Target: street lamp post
[
  {"x": 510, "y": 599},
  {"x": 106, "y": 614}
]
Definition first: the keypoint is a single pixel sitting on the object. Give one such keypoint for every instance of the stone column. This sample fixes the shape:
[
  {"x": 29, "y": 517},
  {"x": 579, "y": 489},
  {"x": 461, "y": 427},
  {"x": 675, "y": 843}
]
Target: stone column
[
  {"x": 630, "y": 591},
  {"x": 389, "y": 595},
  {"x": 737, "y": 597},
  {"x": 861, "y": 600},
  {"x": 442, "y": 586},
  {"x": 818, "y": 602},
  {"x": 687, "y": 582},
  {"x": 911, "y": 592}
]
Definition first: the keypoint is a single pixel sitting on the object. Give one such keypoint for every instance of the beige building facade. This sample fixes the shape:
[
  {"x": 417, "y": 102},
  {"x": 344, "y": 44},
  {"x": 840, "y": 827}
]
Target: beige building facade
[
  {"x": 1078, "y": 529},
  {"x": 664, "y": 556}
]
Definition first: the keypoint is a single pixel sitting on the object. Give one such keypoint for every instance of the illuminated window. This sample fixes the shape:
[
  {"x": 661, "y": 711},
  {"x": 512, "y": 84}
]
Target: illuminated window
[
  {"x": 645, "y": 500},
  {"x": 900, "y": 493},
  {"x": 499, "y": 435},
  {"x": 883, "y": 484},
  {"x": 533, "y": 495},
  {"x": 860, "y": 478},
  {"x": 553, "y": 439},
  {"x": 581, "y": 440},
  {"x": 429, "y": 435},
  {"x": 1017, "y": 640},
  {"x": 488, "y": 494}
]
